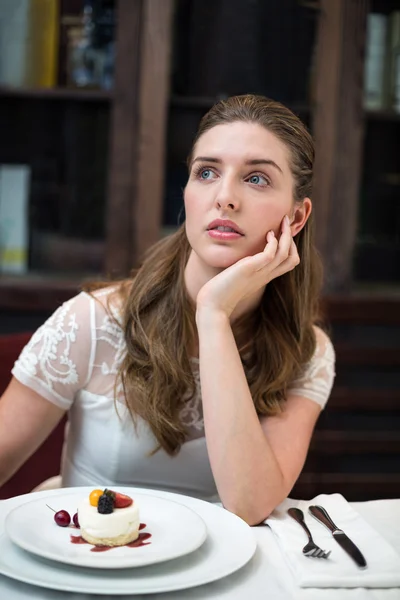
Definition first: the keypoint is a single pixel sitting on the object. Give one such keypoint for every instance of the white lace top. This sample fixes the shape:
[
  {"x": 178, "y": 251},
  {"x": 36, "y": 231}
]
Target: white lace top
[{"x": 72, "y": 361}]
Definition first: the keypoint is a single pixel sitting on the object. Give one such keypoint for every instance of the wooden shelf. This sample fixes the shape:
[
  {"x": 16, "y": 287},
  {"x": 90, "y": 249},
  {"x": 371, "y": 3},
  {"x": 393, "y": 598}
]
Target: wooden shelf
[
  {"x": 351, "y": 355},
  {"x": 56, "y": 94},
  {"x": 355, "y": 442},
  {"x": 363, "y": 399},
  {"x": 354, "y": 486},
  {"x": 382, "y": 115},
  {"x": 196, "y": 102},
  {"x": 366, "y": 307},
  {"x": 37, "y": 292},
  {"x": 206, "y": 102}
]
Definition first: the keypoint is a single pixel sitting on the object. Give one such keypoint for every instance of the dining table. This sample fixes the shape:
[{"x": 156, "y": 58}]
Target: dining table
[{"x": 265, "y": 576}]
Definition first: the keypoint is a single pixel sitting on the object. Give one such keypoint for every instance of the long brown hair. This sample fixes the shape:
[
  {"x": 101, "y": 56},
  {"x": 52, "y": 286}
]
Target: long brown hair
[{"x": 275, "y": 341}]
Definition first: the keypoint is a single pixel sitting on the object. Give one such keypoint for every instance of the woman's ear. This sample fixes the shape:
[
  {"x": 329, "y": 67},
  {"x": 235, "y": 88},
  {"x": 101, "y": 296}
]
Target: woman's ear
[{"x": 300, "y": 215}]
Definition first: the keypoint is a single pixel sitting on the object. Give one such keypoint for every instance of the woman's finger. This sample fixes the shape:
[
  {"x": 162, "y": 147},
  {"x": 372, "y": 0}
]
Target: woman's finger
[
  {"x": 272, "y": 244},
  {"x": 270, "y": 248},
  {"x": 290, "y": 263},
  {"x": 293, "y": 257},
  {"x": 263, "y": 259},
  {"x": 285, "y": 241}
]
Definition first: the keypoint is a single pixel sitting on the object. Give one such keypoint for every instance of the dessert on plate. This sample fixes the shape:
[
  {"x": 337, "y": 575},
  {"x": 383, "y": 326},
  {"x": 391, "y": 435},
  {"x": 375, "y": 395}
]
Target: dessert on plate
[{"x": 108, "y": 518}]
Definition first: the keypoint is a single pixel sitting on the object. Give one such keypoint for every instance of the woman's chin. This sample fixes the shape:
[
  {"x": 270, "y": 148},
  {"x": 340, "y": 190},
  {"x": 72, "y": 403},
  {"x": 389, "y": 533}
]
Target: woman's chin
[{"x": 220, "y": 260}]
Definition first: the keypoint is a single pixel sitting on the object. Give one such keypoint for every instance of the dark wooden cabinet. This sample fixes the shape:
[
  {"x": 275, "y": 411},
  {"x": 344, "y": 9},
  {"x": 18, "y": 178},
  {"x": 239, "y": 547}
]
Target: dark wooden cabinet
[
  {"x": 377, "y": 245},
  {"x": 108, "y": 167},
  {"x": 97, "y": 163}
]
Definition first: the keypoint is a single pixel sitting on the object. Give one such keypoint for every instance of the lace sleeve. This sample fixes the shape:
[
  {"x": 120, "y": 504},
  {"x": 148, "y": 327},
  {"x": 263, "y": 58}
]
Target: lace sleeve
[
  {"x": 57, "y": 361},
  {"x": 317, "y": 380}
]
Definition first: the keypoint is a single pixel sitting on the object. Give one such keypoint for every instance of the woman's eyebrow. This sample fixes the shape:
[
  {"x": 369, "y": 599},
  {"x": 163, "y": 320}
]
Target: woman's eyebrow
[
  {"x": 207, "y": 159},
  {"x": 252, "y": 161},
  {"x": 263, "y": 161}
]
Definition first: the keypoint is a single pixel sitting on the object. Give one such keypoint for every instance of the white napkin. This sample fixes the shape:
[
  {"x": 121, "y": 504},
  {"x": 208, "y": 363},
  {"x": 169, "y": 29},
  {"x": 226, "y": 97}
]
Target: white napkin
[{"x": 339, "y": 570}]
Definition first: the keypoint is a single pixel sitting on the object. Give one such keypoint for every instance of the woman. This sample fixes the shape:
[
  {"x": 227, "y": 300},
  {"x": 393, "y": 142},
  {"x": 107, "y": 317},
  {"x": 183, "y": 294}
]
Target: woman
[{"x": 228, "y": 305}]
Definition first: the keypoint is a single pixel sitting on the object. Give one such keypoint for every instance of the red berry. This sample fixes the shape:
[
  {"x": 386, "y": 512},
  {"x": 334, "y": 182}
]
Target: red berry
[
  {"x": 122, "y": 501},
  {"x": 75, "y": 520},
  {"x": 62, "y": 518}
]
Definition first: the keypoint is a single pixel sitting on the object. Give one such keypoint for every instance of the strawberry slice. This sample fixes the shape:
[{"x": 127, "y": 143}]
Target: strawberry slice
[{"x": 122, "y": 501}]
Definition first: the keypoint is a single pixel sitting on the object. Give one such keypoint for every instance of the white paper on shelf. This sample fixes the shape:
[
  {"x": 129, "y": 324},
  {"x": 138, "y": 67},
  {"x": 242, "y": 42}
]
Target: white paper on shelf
[
  {"x": 374, "y": 74},
  {"x": 14, "y": 235},
  {"x": 14, "y": 23},
  {"x": 394, "y": 60}
]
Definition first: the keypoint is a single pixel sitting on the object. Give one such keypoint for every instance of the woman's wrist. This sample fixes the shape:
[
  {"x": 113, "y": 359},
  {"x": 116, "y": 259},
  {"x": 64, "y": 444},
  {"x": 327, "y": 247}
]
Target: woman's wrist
[{"x": 210, "y": 317}]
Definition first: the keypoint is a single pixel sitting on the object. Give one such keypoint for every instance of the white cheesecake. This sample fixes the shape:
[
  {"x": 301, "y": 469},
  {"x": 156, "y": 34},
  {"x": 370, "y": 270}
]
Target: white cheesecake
[{"x": 114, "y": 529}]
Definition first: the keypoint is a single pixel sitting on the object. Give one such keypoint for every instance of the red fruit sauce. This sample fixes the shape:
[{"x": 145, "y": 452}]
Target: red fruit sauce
[{"x": 141, "y": 541}]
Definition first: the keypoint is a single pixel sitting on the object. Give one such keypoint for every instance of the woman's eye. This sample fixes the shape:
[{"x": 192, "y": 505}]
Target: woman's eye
[
  {"x": 258, "y": 180},
  {"x": 206, "y": 174}
]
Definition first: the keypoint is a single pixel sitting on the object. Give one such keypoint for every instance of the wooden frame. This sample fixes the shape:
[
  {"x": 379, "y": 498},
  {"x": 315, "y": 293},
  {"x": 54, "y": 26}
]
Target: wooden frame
[
  {"x": 338, "y": 130},
  {"x": 141, "y": 100}
]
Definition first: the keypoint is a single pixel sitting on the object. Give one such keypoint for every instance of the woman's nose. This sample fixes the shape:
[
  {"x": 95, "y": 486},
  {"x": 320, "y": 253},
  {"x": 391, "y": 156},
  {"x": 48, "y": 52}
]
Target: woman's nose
[{"x": 227, "y": 198}]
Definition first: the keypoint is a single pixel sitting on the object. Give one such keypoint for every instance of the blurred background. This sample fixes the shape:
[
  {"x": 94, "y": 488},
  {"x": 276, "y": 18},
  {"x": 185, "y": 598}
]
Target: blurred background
[{"x": 99, "y": 102}]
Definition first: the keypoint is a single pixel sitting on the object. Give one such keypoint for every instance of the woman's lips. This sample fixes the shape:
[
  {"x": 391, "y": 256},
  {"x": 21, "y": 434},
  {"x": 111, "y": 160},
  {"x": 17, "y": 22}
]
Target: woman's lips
[
  {"x": 224, "y": 234},
  {"x": 224, "y": 229}
]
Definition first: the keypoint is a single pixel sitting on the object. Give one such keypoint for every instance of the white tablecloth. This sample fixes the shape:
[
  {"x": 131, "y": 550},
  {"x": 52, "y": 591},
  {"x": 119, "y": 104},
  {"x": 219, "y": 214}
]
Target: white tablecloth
[{"x": 266, "y": 576}]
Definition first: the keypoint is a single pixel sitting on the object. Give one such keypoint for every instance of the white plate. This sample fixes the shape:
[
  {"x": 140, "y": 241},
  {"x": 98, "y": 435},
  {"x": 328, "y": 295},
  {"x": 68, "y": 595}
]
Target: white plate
[
  {"x": 175, "y": 530},
  {"x": 229, "y": 545}
]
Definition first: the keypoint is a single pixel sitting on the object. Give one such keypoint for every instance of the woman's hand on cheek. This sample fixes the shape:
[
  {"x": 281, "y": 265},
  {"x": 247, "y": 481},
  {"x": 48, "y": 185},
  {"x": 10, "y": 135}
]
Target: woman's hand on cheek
[{"x": 224, "y": 291}]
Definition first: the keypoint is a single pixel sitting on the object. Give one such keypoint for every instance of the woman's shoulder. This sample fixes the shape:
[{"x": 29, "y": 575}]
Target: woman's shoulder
[
  {"x": 316, "y": 380},
  {"x": 323, "y": 346},
  {"x": 107, "y": 302}
]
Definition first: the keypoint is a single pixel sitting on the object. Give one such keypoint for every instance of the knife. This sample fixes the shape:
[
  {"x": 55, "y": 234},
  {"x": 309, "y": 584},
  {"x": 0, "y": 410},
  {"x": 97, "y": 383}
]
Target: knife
[{"x": 319, "y": 513}]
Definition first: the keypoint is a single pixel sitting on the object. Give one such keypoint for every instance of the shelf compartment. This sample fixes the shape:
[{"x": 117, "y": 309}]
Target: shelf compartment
[{"x": 60, "y": 93}]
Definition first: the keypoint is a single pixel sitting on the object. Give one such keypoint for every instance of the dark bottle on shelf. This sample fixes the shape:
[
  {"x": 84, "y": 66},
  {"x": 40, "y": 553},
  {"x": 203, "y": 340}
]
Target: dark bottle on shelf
[{"x": 91, "y": 46}]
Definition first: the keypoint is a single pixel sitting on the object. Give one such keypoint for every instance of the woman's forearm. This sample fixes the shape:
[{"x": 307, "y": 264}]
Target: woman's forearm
[
  {"x": 247, "y": 474},
  {"x": 26, "y": 420}
]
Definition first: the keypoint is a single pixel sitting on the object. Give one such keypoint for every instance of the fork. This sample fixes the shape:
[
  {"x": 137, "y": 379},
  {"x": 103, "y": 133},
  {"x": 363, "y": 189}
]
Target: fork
[{"x": 311, "y": 549}]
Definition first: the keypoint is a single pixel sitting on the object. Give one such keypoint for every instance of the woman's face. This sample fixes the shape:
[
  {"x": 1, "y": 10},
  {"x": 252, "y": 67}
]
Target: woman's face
[{"x": 239, "y": 173}]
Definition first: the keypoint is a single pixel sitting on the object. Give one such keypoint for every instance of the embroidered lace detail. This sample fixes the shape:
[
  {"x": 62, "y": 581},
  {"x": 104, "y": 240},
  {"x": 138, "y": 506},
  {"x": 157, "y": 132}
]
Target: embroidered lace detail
[
  {"x": 317, "y": 380},
  {"x": 43, "y": 354},
  {"x": 192, "y": 413},
  {"x": 111, "y": 333}
]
